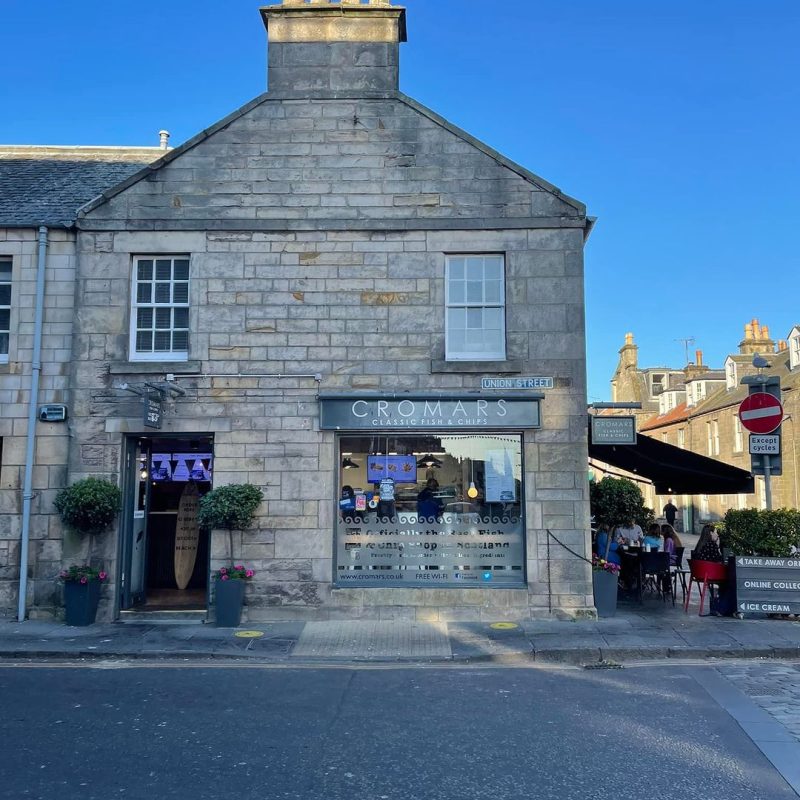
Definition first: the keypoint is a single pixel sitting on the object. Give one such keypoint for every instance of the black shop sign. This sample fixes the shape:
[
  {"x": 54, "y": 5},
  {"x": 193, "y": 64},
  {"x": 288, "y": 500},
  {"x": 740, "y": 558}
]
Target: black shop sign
[{"x": 767, "y": 585}]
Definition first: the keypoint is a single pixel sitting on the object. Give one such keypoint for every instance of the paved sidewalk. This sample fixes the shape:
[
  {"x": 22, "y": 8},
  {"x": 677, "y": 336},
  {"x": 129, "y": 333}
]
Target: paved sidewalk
[{"x": 634, "y": 634}]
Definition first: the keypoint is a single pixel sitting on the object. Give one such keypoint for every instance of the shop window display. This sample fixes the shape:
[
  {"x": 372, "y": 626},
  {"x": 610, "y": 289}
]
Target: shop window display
[{"x": 430, "y": 509}]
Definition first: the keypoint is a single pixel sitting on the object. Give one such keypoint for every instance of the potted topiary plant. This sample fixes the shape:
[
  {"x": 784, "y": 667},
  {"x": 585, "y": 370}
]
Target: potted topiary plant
[
  {"x": 87, "y": 507},
  {"x": 229, "y": 508},
  {"x": 81, "y": 593}
]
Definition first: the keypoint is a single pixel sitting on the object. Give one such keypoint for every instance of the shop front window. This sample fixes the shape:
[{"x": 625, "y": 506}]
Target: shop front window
[{"x": 424, "y": 510}]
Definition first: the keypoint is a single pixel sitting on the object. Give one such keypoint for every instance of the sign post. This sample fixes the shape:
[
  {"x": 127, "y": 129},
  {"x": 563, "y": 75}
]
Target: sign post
[{"x": 761, "y": 413}]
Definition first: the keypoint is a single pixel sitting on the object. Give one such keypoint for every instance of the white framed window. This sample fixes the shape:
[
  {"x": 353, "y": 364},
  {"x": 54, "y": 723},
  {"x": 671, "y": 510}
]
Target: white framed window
[
  {"x": 794, "y": 351},
  {"x": 731, "y": 378},
  {"x": 682, "y": 439},
  {"x": 5, "y": 307},
  {"x": 704, "y": 510},
  {"x": 741, "y": 501},
  {"x": 475, "y": 313},
  {"x": 738, "y": 436},
  {"x": 709, "y": 439},
  {"x": 715, "y": 436},
  {"x": 160, "y": 308},
  {"x": 762, "y": 492}
]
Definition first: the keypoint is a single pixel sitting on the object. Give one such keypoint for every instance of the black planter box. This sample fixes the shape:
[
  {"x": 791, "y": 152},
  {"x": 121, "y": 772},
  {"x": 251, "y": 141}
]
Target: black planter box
[
  {"x": 80, "y": 602},
  {"x": 228, "y": 599}
]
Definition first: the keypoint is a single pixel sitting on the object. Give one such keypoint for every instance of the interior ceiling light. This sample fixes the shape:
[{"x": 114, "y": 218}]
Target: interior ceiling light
[
  {"x": 429, "y": 461},
  {"x": 348, "y": 463}
]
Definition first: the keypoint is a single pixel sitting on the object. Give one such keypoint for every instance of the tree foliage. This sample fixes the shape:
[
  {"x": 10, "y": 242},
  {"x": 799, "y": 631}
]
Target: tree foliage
[
  {"x": 230, "y": 507},
  {"x": 749, "y": 532},
  {"x": 89, "y": 505},
  {"x": 616, "y": 501}
]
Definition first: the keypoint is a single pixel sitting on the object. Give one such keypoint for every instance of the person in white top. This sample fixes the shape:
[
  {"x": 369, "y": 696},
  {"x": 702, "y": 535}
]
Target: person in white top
[{"x": 630, "y": 533}]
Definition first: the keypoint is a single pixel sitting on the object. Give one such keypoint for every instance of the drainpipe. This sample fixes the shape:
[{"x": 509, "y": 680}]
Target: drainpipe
[{"x": 36, "y": 368}]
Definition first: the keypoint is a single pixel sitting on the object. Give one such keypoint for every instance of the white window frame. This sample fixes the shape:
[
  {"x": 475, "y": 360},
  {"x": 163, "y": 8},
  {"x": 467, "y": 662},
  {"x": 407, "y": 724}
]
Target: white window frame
[
  {"x": 794, "y": 351},
  {"x": 450, "y": 305},
  {"x": 158, "y": 355},
  {"x": 709, "y": 439},
  {"x": 730, "y": 374},
  {"x": 682, "y": 439},
  {"x": 10, "y": 283},
  {"x": 738, "y": 435},
  {"x": 715, "y": 435}
]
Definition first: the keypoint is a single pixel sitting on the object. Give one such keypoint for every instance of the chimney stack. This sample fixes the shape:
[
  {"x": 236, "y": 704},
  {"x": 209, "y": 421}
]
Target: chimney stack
[
  {"x": 756, "y": 339},
  {"x": 324, "y": 45},
  {"x": 629, "y": 353}
]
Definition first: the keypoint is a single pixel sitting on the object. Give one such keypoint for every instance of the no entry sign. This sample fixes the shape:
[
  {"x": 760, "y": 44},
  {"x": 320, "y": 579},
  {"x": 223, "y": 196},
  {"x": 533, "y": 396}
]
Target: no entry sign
[{"x": 761, "y": 412}]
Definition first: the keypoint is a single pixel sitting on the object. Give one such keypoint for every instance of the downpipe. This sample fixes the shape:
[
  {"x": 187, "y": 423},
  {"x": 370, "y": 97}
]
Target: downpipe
[{"x": 33, "y": 401}]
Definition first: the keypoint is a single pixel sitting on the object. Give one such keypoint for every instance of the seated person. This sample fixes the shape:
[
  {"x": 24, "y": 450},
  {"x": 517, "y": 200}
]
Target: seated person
[
  {"x": 631, "y": 533},
  {"x": 723, "y": 602},
  {"x": 428, "y": 505},
  {"x": 708, "y": 545},
  {"x": 603, "y": 545},
  {"x": 653, "y": 537},
  {"x": 671, "y": 542}
]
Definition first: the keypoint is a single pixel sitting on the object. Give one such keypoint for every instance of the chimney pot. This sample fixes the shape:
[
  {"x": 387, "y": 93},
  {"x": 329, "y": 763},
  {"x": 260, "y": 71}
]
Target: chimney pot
[
  {"x": 764, "y": 332},
  {"x": 748, "y": 331},
  {"x": 698, "y": 355},
  {"x": 628, "y": 339},
  {"x": 163, "y": 139}
]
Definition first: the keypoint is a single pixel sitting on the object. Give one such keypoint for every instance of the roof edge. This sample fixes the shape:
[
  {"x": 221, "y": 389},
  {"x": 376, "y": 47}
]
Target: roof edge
[{"x": 492, "y": 153}]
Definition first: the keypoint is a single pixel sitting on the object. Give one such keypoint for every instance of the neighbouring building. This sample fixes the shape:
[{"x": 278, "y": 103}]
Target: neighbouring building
[
  {"x": 698, "y": 411},
  {"x": 41, "y": 189},
  {"x": 340, "y": 297}
]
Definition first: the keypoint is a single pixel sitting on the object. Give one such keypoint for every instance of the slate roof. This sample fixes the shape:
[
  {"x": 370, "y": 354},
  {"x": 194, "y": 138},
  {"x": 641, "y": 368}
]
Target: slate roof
[
  {"x": 47, "y": 185},
  {"x": 677, "y": 414}
]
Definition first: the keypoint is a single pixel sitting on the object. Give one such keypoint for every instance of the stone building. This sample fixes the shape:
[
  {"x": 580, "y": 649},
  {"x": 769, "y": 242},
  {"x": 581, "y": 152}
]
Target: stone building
[
  {"x": 338, "y": 296},
  {"x": 701, "y": 415},
  {"x": 41, "y": 189}
]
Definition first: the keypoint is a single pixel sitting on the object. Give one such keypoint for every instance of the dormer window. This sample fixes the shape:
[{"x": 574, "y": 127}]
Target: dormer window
[
  {"x": 657, "y": 384},
  {"x": 731, "y": 378},
  {"x": 794, "y": 349}
]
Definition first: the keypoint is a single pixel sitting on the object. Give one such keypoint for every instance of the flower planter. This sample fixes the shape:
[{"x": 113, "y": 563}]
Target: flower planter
[
  {"x": 228, "y": 599},
  {"x": 80, "y": 602},
  {"x": 604, "y": 584}
]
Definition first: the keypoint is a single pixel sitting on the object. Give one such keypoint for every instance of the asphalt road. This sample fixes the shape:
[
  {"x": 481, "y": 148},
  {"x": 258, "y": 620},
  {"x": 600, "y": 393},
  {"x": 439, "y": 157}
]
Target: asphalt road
[{"x": 371, "y": 734}]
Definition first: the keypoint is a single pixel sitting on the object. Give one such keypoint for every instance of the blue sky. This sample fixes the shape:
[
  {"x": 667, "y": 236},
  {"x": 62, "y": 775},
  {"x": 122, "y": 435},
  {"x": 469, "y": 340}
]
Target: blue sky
[{"x": 675, "y": 121}]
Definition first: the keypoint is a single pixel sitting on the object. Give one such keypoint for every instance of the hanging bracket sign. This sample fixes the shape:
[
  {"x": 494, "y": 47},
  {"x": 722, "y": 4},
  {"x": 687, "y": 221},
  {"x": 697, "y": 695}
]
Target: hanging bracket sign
[
  {"x": 153, "y": 410},
  {"x": 613, "y": 430}
]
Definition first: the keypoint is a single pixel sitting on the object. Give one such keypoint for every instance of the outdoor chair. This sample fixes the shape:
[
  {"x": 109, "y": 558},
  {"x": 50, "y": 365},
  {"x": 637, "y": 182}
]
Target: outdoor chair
[
  {"x": 704, "y": 574},
  {"x": 654, "y": 571},
  {"x": 679, "y": 573}
]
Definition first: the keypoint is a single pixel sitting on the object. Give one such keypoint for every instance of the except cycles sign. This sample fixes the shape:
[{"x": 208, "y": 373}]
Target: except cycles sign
[{"x": 761, "y": 413}]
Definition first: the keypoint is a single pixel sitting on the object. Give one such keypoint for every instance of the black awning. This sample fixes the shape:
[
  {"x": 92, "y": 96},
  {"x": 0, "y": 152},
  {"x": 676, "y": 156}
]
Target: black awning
[{"x": 671, "y": 469}]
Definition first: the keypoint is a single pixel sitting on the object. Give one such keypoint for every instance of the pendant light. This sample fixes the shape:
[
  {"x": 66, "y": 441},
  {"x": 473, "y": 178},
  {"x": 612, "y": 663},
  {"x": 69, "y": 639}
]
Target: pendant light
[
  {"x": 472, "y": 492},
  {"x": 348, "y": 463}
]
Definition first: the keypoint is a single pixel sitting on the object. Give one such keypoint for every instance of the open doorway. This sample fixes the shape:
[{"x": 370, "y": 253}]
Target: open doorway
[{"x": 165, "y": 556}]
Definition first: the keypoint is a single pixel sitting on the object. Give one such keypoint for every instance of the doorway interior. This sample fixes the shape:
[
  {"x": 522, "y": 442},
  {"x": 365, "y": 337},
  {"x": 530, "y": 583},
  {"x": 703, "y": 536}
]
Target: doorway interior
[{"x": 165, "y": 556}]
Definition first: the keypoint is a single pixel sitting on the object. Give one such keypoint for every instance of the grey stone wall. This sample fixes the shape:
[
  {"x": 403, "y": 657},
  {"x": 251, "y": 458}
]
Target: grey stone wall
[
  {"x": 317, "y": 232},
  {"x": 50, "y": 459}
]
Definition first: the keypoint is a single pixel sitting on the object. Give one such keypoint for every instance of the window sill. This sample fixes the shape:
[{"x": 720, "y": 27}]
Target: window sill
[
  {"x": 508, "y": 367},
  {"x": 154, "y": 367}
]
